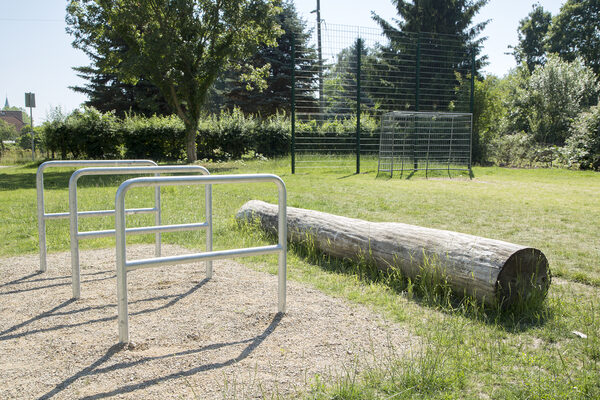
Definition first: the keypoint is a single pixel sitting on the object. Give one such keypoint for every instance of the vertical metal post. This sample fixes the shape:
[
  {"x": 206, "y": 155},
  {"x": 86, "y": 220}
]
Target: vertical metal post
[
  {"x": 74, "y": 228},
  {"x": 471, "y": 108},
  {"x": 320, "y": 54},
  {"x": 358, "y": 67},
  {"x": 282, "y": 230},
  {"x": 471, "y": 147},
  {"x": 472, "y": 97},
  {"x": 417, "y": 99},
  {"x": 293, "y": 144},
  {"x": 450, "y": 144},
  {"x": 157, "y": 220},
  {"x": 39, "y": 176},
  {"x": 32, "y": 134},
  {"x": 418, "y": 72},
  {"x": 209, "y": 229},
  {"x": 123, "y": 317}
]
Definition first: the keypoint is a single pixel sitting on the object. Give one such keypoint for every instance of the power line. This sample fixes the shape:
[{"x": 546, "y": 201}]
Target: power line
[{"x": 30, "y": 20}]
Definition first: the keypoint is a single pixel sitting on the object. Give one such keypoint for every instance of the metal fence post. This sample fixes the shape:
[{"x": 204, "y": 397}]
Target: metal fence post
[
  {"x": 418, "y": 72},
  {"x": 472, "y": 97},
  {"x": 293, "y": 144},
  {"x": 417, "y": 100},
  {"x": 471, "y": 108},
  {"x": 358, "y": 65}
]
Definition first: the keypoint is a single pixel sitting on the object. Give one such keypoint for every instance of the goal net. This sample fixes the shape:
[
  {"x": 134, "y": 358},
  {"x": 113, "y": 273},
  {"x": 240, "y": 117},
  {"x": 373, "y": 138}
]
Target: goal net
[{"x": 429, "y": 141}]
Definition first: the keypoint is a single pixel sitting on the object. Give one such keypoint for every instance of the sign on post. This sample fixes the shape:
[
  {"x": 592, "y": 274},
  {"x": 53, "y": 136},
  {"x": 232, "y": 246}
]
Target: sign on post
[{"x": 30, "y": 102}]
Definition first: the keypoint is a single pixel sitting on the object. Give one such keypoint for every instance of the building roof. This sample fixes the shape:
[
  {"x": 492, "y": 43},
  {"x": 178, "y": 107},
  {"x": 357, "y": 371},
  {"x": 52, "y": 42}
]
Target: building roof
[{"x": 13, "y": 117}]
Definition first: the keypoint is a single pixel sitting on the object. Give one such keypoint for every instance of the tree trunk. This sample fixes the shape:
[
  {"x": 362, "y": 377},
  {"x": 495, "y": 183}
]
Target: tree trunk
[
  {"x": 495, "y": 272},
  {"x": 190, "y": 142}
]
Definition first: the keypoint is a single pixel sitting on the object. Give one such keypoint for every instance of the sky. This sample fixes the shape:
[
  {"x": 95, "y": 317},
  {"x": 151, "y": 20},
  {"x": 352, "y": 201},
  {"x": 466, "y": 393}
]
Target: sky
[{"x": 36, "y": 54}]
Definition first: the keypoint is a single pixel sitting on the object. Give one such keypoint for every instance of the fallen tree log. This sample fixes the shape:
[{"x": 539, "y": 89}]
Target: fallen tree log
[{"x": 495, "y": 272}]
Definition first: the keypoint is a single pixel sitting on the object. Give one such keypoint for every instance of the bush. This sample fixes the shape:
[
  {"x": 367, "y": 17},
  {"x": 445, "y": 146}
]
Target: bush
[
  {"x": 545, "y": 103},
  {"x": 512, "y": 150},
  {"x": 273, "y": 137},
  {"x": 57, "y": 138},
  {"x": 93, "y": 134},
  {"x": 156, "y": 138},
  {"x": 583, "y": 146},
  {"x": 228, "y": 135},
  {"x": 225, "y": 136}
]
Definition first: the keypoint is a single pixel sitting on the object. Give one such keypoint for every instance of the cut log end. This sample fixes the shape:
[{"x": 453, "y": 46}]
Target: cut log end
[{"x": 524, "y": 277}]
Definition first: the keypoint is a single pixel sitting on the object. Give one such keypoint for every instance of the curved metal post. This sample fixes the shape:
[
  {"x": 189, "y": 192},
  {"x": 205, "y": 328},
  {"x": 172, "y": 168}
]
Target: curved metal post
[
  {"x": 74, "y": 213},
  {"x": 41, "y": 211},
  {"x": 121, "y": 246}
]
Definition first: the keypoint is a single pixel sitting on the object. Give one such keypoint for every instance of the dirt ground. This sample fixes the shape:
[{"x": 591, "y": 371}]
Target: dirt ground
[{"x": 192, "y": 338}]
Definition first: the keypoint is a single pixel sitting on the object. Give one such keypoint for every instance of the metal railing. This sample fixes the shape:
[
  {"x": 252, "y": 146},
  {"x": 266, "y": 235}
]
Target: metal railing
[
  {"x": 124, "y": 266},
  {"x": 74, "y": 213},
  {"x": 41, "y": 210}
]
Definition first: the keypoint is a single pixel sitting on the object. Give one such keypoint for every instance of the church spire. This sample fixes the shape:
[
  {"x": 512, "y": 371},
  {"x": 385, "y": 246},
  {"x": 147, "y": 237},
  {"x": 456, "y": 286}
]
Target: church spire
[{"x": 6, "y": 105}]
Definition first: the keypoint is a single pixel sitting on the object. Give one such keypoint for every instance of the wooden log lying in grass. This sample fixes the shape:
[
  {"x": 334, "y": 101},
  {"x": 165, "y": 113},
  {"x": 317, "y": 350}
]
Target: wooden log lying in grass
[{"x": 495, "y": 272}]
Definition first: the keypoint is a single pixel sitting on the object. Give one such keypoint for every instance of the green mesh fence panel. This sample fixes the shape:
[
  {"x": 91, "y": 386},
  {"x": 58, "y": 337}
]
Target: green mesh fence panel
[{"x": 409, "y": 72}]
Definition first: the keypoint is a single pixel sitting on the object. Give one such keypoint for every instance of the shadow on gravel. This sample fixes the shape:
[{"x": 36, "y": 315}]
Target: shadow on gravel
[
  {"x": 54, "y": 312},
  {"x": 26, "y": 279},
  {"x": 96, "y": 367}
]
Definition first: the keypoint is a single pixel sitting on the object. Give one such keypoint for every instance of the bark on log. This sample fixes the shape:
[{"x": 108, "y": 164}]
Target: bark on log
[{"x": 493, "y": 271}]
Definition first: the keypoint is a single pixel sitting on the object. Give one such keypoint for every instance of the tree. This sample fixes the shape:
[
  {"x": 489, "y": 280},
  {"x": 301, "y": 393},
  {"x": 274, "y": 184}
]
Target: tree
[
  {"x": 443, "y": 31},
  {"x": 107, "y": 93},
  {"x": 7, "y": 132},
  {"x": 575, "y": 32},
  {"x": 178, "y": 45},
  {"x": 583, "y": 146},
  {"x": 449, "y": 17},
  {"x": 340, "y": 81},
  {"x": 545, "y": 103},
  {"x": 276, "y": 94},
  {"x": 533, "y": 30}
]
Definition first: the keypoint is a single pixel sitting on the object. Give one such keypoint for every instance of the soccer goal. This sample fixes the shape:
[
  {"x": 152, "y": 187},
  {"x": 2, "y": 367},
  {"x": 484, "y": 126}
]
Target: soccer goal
[{"x": 429, "y": 141}]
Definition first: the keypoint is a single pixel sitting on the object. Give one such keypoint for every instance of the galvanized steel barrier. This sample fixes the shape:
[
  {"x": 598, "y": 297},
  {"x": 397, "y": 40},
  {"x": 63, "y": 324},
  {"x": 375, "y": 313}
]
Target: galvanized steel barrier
[
  {"x": 74, "y": 213},
  {"x": 41, "y": 211},
  {"x": 124, "y": 266}
]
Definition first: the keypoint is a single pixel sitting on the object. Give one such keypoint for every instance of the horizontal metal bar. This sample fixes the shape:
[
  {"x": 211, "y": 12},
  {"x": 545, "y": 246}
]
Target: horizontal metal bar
[
  {"x": 56, "y": 215},
  {"x": 140, "y": 170},
  {"x": 207, "y": 256},
  {"x": 202, "y": 180},
  {"x": 129, "y": 211},
  {"x": 144, "y": 230},
  {"x": 167, "y": 228}
]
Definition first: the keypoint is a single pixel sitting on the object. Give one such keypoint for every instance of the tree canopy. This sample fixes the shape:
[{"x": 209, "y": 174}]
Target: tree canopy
[
  {"x": 532, "y": 31},
  {"x": 575, "y": 32},
  {"x": 439, "y": 37},
  {"x": 178, "y": 45},
  {"x": 7, "y": 132},
  {"x": 449, "y": 17},
  {"x": 106, "y": 92},
  {"x": 231, "y": 90}
]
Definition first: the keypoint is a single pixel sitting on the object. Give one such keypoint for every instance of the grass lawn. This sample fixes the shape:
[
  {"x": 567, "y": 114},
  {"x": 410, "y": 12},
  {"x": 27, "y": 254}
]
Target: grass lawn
[{"x": 466, "y": 351}]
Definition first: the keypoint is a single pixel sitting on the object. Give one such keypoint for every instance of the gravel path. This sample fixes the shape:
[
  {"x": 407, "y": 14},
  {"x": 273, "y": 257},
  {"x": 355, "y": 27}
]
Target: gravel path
[{"x": 192, "y": 338}]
